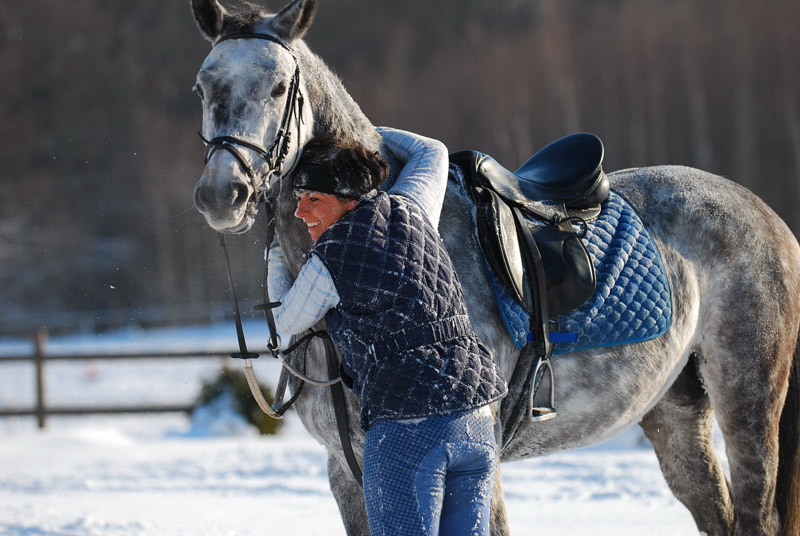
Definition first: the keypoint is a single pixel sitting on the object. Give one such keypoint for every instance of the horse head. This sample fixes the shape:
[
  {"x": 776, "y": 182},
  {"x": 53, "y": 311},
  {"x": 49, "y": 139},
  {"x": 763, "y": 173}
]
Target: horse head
[{"x": 254, "y": 118}]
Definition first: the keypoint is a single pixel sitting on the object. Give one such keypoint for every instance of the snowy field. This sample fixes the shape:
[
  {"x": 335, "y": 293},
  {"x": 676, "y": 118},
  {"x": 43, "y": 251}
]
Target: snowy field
[{"x": 163, "y": 475}]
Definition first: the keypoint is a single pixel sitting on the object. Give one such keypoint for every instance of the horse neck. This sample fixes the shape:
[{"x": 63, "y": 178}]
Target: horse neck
[{"x": 335, "y": 112}]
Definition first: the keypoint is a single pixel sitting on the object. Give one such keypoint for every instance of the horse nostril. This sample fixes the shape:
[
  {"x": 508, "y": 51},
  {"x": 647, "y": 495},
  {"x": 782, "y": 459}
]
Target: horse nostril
[
  {"x": 201, "y": 200},
  {"x": 240, "y": 193}
]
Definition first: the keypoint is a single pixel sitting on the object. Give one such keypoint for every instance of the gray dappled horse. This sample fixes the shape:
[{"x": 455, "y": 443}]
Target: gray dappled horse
[{"x": 733, "y": 266}]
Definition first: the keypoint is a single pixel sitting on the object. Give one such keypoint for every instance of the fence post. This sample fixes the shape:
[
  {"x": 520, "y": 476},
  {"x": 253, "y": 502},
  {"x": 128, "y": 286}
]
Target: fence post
[{"x": 40, "y": 343}]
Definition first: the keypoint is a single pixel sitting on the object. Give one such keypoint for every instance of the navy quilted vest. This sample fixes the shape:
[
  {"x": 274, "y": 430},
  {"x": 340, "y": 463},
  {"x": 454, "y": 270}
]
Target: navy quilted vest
[{"x": 408, "y": 348}]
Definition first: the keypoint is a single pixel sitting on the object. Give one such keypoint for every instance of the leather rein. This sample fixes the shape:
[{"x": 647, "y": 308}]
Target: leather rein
[{"x": 275, "y": 156}]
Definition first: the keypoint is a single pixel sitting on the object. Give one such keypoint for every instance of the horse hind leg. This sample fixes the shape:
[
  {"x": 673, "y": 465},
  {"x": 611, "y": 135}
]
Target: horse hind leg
[
  {"x": 747, "y": 384},
  {"x": 787, "y": 495},
  {"x": 680, "y": 430}
]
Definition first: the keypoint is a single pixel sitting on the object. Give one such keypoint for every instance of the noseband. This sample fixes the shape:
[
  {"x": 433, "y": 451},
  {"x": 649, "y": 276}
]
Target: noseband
[{"x": 276, "y": 153}]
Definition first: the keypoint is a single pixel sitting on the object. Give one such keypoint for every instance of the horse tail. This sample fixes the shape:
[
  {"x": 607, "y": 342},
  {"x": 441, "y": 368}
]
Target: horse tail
[{"x": 787, "y": 494}]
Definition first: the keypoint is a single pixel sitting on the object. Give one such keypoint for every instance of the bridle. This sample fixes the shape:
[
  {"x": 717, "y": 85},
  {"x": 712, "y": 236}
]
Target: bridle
[
  {"x": 274, "y": 157},
  {"x": 276, "y": 154}
]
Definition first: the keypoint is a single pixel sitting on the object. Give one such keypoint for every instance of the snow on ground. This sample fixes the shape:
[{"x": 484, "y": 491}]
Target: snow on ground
[{"x": 163, "y": 475}]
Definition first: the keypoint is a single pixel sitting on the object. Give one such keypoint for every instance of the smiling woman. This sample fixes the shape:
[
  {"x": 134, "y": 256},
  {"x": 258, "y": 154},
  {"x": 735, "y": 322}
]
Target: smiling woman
[{"x": 326, "y": 192}]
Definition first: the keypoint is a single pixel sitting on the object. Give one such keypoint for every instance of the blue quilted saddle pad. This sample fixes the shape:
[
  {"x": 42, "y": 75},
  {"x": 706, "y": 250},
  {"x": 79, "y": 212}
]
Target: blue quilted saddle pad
[{"x": 632, "y": 300}]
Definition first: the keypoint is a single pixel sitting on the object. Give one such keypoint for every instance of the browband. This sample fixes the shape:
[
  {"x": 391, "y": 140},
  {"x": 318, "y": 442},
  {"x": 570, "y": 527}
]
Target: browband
[{"x": 246, "y": 35}]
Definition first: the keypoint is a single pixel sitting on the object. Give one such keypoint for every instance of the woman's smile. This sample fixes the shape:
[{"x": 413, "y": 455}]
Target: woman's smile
[{"x": 319, "y": 211}]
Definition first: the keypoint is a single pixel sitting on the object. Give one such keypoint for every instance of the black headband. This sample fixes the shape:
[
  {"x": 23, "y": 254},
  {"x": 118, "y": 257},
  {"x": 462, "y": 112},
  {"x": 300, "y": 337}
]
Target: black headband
[{"x": 319, "y": 178}]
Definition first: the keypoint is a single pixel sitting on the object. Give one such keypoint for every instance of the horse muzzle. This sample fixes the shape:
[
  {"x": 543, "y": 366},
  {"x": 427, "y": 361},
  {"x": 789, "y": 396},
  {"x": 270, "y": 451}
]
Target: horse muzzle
[{"x": 229, "y": 206}]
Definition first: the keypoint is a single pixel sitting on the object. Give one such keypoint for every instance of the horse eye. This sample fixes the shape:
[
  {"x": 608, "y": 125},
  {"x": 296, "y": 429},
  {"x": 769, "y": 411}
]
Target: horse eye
[
  {"x": 197, "y": 89},
  {"x": 279, "y": 90}
]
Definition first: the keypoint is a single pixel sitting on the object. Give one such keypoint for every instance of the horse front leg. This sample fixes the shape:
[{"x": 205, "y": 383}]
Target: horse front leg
[
  {"x": 500, "y": 526},
  {"x": 349, "y": 497}
]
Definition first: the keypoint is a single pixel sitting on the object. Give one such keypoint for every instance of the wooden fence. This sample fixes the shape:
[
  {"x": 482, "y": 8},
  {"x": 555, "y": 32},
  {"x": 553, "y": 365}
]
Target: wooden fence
[{"x": 41, "y": 410}]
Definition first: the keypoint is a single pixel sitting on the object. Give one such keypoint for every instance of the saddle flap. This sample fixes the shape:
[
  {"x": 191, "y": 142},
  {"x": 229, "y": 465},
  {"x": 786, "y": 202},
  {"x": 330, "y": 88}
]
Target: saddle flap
[
  {"x": 570, "y": 274},
  {"x": 497, "y": 234}
]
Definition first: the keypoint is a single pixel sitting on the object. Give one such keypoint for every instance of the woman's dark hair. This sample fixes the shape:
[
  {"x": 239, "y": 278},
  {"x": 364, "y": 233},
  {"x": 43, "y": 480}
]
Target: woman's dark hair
[{"x": 343, "y": 168}]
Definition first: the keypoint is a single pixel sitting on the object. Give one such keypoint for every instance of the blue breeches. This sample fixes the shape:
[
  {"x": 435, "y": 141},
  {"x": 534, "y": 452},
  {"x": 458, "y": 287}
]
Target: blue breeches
[{"x": 431, "y": 476}]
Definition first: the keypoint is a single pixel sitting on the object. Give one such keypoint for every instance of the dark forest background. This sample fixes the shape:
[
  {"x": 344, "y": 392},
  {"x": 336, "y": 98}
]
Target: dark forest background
[{"x": 98, "y": 151}]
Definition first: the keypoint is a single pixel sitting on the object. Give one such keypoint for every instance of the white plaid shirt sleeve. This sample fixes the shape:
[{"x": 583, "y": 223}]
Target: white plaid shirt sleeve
[
  {"x": 305, "y": 301},
  {"x": 423, "y": 178}
]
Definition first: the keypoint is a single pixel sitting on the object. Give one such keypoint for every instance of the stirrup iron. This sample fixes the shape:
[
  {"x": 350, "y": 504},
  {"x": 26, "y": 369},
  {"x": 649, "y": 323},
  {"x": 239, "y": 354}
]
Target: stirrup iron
[{"x": 542, "y": 413}]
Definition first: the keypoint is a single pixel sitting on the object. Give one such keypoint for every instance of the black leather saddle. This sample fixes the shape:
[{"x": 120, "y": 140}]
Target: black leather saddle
[
  {"x": 561, "y": 185},
  {"x": 526, "y": 229}
]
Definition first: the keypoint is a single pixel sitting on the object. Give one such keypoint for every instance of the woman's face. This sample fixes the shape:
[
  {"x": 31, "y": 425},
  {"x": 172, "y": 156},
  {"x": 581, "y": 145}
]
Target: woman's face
[{"x": 319, "y": 211}]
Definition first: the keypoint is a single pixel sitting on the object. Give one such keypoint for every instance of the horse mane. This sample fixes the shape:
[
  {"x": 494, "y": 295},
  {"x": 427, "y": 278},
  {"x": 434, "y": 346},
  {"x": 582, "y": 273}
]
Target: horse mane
[
  {"x": 243, "y": 17},
  {"x": 336, "y": 113}
]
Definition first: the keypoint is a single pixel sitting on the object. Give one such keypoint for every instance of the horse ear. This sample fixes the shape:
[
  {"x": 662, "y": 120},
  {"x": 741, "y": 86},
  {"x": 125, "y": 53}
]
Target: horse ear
[
  {"x": 209, "y": 15},
  {"x": 293, "y": 21}
]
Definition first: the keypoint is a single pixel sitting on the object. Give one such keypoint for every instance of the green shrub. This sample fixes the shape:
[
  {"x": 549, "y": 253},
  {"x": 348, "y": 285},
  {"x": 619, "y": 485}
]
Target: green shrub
[{"x": 234, "y": 381}]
